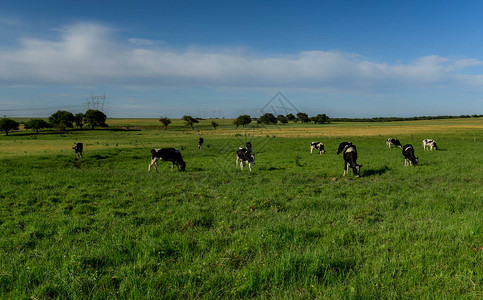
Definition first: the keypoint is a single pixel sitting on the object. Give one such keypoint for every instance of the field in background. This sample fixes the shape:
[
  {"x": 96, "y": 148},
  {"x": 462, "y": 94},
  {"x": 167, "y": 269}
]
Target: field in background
[{"x": 102, "y": 227}]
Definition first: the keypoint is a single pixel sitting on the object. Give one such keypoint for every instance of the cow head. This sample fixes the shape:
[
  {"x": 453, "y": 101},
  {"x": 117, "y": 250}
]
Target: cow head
[
  {"x": 357, "y": 170},
  {"x": 182, "y": 166}
]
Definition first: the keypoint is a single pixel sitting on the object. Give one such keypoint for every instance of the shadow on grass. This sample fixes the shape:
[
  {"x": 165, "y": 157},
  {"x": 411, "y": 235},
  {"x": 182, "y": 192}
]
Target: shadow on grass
[
  {"x": 53, "y": 132},
  {"x": 372, "y": 172},
  {"x": 38, "y": 134},
  {"x": 272, "y": 169}
]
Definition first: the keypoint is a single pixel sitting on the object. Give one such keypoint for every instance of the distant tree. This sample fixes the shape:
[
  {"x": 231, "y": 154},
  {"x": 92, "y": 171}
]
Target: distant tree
[
  {"x": 61, "y": 119},
  {"x": 165, "y": 122},
  {"x": 95, "y": 118},
  {"x": 291, "y": 117},
  {"x": 320, "y": 119},
  {"x": 282, "y": 119},
  {"x": 36, "y": 124},
  {"x": 7, "y": 125},
  {"x": 79, "y": 120},
  {"x": 242, "y": 120},
  {"x": 303, "y": 117},
  {"x": 190, "y": 121},
  {"x": 214, "y": 124},
  {"x": 267, "y": 118}
]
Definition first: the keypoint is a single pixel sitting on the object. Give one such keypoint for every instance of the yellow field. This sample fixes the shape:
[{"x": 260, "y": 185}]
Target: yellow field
[{"x": 389, "y": 129}]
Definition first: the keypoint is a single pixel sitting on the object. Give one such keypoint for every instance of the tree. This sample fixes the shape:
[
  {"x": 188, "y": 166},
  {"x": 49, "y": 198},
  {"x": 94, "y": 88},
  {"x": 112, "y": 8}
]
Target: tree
[
  {"x": 242, "y": 120},
  {"x": 303, "y": 117},
  {"x": 291, "y": 117},
  {"x": 95, "y": 118},
  {"x": 79, "y": 120},
  {"x": 61, "y": 119},
  {"x": 36, "y": 124},
  {"x": 8, "y": 125},
  {"x": 267, "y": 118},
  {"x": 189, "y": 120},
  {"x": 282, "y": 119},
  {"x": 214, "y": 124},
  {"x": 165, "y": 122}
]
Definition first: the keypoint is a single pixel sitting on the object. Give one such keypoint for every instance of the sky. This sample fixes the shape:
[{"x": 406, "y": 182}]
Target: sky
[{"x": 214, "y": 59}]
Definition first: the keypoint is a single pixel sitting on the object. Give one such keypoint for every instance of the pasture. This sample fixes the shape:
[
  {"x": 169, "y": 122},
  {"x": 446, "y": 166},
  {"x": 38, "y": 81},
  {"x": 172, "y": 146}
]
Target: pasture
[{"x": 102, "y": 227}]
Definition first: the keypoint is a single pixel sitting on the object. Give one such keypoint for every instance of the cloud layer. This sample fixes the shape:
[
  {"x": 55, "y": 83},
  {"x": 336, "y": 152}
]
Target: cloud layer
[{"x": 89, "y": 53}]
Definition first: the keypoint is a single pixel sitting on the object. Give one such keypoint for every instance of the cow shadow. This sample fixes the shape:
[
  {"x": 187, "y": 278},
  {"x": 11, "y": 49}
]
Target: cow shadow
[
  {"x": 372, "y": 172},
  {"x": 272, "y": 168}
]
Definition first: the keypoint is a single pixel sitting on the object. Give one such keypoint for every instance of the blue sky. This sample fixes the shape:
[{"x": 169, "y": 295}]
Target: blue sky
[{"x": 223, "y": 58}]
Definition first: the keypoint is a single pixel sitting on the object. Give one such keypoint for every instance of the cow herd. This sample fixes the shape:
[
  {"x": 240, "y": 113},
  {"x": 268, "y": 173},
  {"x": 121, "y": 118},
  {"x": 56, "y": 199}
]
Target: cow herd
[{"x": 245, "y": 156}]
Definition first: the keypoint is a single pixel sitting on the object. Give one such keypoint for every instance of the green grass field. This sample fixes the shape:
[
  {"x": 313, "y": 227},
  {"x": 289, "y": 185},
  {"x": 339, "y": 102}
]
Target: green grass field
[{"x": 102, "y": 227}]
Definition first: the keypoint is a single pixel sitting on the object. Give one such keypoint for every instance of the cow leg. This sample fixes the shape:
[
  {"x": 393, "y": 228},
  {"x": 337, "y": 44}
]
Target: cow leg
[
  {"x": 250, "y": 166},
  {"x": 172, "y": 167},
  {"x": 153, "y": 162},
  {"x": 241, "y": 164},
  {"x": 311, "y": 148},
  {"x": 236, "y": 162},
  {"x": 346, "y": 168}
]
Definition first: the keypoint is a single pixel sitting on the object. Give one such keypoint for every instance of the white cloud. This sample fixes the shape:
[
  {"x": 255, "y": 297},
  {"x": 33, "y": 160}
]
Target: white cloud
[
  {"x": 87, "y": 53},
  {"x": 141, "y": 42}
]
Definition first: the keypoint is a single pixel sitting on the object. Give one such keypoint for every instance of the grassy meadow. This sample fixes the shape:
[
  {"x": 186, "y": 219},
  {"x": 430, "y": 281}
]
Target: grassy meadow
[{"x": 102, "y": 227}]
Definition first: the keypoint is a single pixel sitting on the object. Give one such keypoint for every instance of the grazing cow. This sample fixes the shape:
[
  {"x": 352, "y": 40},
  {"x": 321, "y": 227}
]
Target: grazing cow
[
  {"x": 200, "y": 143},
  {"x": 350, "y": 158},
  {"x": 430, "y": 144},
  {"x": 167, "y": 154},
  {"x": 409, "y": 158},
  {"x": 343, "y": 146},
  {"x": 249, "y": 146},
  {"x": 245, "y": 157},
  {"x": 317, "y": 145},
  {"x": 78, "y": 149},
  {"x": 394, "y": 142}
]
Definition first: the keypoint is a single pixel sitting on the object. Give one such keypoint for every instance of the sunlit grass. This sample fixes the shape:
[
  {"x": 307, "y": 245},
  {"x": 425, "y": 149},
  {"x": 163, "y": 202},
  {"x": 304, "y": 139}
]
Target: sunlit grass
[{"x": 102, "y": 227}]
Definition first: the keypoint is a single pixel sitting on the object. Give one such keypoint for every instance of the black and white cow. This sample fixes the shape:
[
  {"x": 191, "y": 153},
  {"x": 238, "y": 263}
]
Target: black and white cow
[
  {"x": 350, "y": 160},
  {"x": 167, "y": 154},
  {"x": 317, "y": 145},
  {"x": 394, "y": 142},
  {"x": 78, "y": 148},
  {"x": 343, "y": 146},
  {"x": 200, "y": 143},
  {"x": 249, "y": 146},
  {"x": 430, "y": 144},
  {"x": 409, "y": 158},
  {"x": 245, "y": 157}
]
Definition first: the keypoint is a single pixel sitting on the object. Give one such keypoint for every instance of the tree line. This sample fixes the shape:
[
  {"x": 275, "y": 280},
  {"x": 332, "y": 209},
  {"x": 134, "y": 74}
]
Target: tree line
[
  {"x": 61, "y": 120},
  {"x": 269, "y": 118},
  {"x": 395, "y": 119}
]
